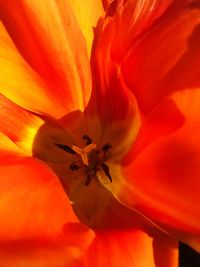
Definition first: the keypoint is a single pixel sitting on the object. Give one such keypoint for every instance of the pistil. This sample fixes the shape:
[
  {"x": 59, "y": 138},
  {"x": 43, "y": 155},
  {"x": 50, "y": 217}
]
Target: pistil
[{"x": 83, "y": 152}]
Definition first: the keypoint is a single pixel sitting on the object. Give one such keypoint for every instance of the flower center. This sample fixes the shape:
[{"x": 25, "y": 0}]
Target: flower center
[{"x": 90, "y": 159}]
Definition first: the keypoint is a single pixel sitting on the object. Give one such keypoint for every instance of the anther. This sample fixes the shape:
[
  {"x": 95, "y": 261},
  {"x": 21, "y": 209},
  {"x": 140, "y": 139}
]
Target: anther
[
  {"x": 66, "y": 148},
  {"x": 106, "y": 147},
  {"x": 106, "y": 171},
  {"x": 87, "y": 138},
  {"x": 73, "y": 166}
]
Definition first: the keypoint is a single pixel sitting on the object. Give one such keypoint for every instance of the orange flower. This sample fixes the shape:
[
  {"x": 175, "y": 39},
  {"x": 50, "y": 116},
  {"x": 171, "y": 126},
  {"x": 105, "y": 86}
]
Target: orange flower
[{"x": 100, "y": 155}]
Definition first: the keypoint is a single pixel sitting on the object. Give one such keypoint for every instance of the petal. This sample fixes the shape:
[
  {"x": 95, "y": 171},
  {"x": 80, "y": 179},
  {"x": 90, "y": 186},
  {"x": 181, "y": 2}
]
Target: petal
[
  {"x": 111, "y": 96},
  {"x": 19, "y": 82},
  {"x": 19, "y": 125},
  {"x": 163, "y": 181},
  {"x": 128, "y": 248},
  {"x": 33, "y": 134},
  {"x": 23, "y": 200},
  {"x": 29, "y": 231},
  {"x": 48, "y": 37},
  {"x": 106, "y": 4},
  {"x": 112, "y": 105},
  {"x": 165, "y": 252},
  {"x": 60, "y": 251},
  {"x": 124, "y": 21},
  {"x": 8, "y": 148},
  {"x": 118, "y": 116},
  {"x": 155, "y": 125},
  {"x": 166, "y": 57},
  {"x": 87, "y": 13}
]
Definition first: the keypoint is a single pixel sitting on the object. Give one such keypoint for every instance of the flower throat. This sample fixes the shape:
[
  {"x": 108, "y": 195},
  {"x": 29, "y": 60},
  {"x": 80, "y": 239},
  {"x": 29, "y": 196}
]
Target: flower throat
[{"x": 89, "y": 159}]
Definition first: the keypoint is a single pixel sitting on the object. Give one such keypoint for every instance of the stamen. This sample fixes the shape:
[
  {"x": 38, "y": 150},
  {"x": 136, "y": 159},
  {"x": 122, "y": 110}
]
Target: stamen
[
  {"x": 66, "y": 148},
  {"x": 87, "y": 138},
  {"x": 106, "y": 147},
  {"x": 88, "y": 179},
  {"x": 73, "y": 166},
  {"x": 106, "y": 171}
]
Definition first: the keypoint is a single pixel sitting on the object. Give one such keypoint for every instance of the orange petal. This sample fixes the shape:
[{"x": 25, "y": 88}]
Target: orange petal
[
  {"x": 116, "y": 106},
  {"x": 165, "y": 252},
  {"x": 166, "y": 57},
  {"x": 118, "y": 117},
  {"x": 19, "y": 125},
  {"x": 106, "y": 4},
  {"x": 163, "y": 180},
  {"x": 112, "y": 105},
  {"x": 37, "y": 224},
  {"x": 124, "y": 21},
  {"x": 19, "y": 82},
  {"x": 154, "y": 125},
  {"x": 87, "y": 13},
  {"x": 29, "y": 189},
  {"x": 34, "y": 135},
  {"x": 128, "y": 248},
  {"x": 111, "y": 96},
  {"x": 34, "y": 253},
  {"x": 48, "y": 37},
  {"x": 8, "y": 148}
]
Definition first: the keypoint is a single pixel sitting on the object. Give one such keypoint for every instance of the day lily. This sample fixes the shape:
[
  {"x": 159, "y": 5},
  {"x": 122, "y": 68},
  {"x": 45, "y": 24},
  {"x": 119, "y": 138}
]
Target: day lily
[{"x": 99, "y": 120}]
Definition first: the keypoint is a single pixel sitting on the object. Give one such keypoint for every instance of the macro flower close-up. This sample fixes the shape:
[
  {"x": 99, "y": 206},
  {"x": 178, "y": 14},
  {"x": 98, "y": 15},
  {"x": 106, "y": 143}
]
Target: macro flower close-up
[{"x": 99, "y": 132}]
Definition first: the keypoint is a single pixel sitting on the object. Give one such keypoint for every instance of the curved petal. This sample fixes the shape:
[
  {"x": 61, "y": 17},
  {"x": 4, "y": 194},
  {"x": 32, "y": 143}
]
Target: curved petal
[
  {"x": 87, "y": 13},
  {"x": 163, "y": 181},
  {"x": 112, "y": 113},
  {"x": 111, "y": 96},
  {"x": 128, "y": 248},
  {"x": 33, "y": 134},
  {"x": 19, "y": 125},
  {"x": 166, "y": 57},
  {"x": 8, "y": 148},
  {"x": 115, "y": 105},
  {"x": 111, "y": 103},
  {"x": 19, "y": 82},
  {"x": 106, "y": 4},
  {"x": 156, "y": 124},
  {"x": 29, "y": 191},
  {"x": 125, "y": 20},
  {"x": 36, "y": 253},
  {"x": 29, "y": 231},
  {"x": 48, "y": 37},
  {"x": 166, "y": 252}
]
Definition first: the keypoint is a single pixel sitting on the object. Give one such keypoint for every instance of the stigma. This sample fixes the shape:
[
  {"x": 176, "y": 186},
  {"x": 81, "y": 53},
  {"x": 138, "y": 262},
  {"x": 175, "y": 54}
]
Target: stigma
[
  {"x": 89, "y": 159},
  {"x": 83, "y": 153}
]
